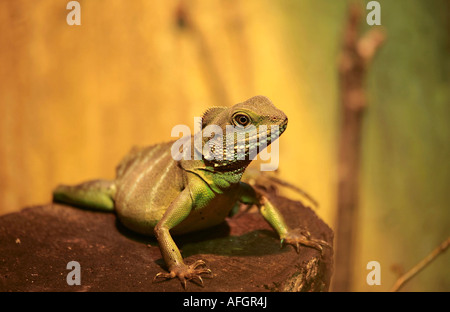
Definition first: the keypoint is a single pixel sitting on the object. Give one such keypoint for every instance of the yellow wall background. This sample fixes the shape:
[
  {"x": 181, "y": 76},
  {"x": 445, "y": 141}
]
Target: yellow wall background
[{"x": 74, "y": 99}]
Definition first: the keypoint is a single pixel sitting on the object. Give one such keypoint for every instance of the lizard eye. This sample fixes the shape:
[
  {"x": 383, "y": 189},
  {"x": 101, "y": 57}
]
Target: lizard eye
[{"x": 241, "y": 119}]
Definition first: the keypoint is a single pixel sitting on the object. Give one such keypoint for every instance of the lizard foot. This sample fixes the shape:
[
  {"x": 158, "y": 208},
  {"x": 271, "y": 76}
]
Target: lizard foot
[
  {"x": 186, "y": 272},
  {"x": 299, "y": 237}
]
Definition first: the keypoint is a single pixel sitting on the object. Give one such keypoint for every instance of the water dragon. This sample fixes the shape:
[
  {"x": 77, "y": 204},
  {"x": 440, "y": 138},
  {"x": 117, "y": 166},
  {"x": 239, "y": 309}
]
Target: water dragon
[{"x": 155, "y": 194}]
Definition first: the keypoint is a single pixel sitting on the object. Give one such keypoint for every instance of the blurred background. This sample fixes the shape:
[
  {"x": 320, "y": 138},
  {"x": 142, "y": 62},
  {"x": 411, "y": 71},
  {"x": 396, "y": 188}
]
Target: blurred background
[{"x": 74, "y": 99}]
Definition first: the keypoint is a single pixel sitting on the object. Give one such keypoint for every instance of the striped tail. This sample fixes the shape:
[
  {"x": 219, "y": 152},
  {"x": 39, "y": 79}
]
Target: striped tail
[{"x": 96, "y": 194}]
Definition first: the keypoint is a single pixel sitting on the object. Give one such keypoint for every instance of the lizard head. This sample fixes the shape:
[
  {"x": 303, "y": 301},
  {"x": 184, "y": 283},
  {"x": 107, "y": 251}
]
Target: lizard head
[
  {"x": 257, "y": 111},
  {"x": 246, "y": 128}
]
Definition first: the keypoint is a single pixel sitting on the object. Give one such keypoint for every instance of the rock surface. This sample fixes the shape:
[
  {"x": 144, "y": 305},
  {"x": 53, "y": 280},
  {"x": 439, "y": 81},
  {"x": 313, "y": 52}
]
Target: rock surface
[{"x": 243, "y": 253}]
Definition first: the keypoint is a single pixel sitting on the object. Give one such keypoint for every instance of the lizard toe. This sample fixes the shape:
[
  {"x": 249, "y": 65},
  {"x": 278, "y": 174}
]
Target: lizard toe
[
  {"x": 299, "y": 237},
  {"x": 186, "y": 273}
]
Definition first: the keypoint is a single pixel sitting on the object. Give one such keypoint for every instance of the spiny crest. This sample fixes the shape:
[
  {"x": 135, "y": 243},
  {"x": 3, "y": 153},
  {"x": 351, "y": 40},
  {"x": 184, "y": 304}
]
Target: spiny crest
[{"x": 210, "y": 114}]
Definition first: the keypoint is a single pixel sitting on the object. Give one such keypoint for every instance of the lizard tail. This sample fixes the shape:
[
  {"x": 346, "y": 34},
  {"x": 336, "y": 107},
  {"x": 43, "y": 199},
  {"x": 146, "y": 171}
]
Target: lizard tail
[{"x": 96, "y": 194}]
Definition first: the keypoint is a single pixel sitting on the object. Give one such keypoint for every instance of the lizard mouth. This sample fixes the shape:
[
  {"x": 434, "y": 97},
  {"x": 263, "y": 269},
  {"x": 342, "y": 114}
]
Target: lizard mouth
[{"x": 283, "y": 126}]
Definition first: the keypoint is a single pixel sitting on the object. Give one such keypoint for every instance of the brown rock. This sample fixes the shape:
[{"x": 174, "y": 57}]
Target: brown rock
[{"x": 243, "y": 253}]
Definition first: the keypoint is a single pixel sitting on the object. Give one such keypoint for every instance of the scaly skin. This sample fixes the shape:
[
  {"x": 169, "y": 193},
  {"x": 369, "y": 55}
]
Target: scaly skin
[{"x": 156, "y": 195}]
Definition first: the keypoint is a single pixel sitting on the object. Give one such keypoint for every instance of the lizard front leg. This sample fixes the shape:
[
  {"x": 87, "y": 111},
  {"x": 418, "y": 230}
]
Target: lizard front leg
[
  {"x": 177, "y": 212},
  {"x": 295, "y": 237}
]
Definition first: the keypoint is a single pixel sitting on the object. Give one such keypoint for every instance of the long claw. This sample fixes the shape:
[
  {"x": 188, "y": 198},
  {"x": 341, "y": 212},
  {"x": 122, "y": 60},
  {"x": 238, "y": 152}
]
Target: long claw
[
  {"x": 157, "y": 275},
  {"x": 306, "y": 233},
  {"x": 205, "y": 271},
  {"x": 198, "y": 263},
  {"x": 163, "y": 275},
  {"x": 322, "y": 242},
  {"x": 200, "y": 279}
]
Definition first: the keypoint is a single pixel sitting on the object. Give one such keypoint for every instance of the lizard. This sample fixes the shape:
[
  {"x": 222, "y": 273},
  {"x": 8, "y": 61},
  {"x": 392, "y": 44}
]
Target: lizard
[{"x": 155, "y": 194}]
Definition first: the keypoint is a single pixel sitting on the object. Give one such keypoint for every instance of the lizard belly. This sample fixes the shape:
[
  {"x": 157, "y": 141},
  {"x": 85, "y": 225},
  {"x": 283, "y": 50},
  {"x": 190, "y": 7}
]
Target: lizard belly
[{"x": 207, "y": 216}]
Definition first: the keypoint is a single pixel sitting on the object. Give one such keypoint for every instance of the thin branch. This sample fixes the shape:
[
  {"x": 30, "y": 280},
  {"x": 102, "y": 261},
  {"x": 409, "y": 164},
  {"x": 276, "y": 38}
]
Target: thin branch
[
  {"x": 421, "y": 265},
  {"x": 357, "y": 52}
]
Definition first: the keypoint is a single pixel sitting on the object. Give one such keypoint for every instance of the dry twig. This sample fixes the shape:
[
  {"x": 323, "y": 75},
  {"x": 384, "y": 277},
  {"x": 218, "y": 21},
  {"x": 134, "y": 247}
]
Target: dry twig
[{"x": 421, "y": 265}]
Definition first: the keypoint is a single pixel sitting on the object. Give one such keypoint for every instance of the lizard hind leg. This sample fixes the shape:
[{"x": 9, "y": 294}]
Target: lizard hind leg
[{"x": 96, "y": 194}]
